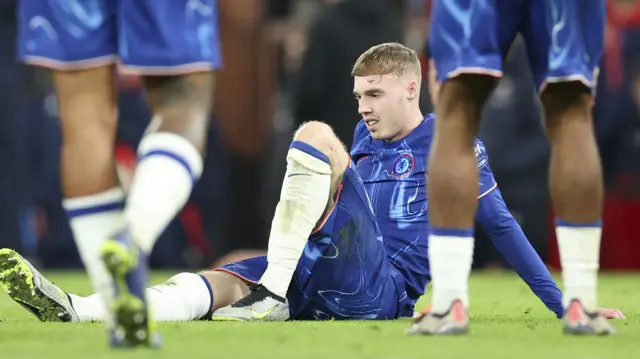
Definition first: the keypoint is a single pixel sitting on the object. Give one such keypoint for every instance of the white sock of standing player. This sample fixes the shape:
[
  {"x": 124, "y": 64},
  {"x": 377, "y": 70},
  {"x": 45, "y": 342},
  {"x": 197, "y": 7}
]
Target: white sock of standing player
[
  {"x": 303, "y": 199},
  {"x": 93, "y": 219},
  {"x": 579, "y": 246},
  {"x": 184, "y": 297},
  {"x": 168, "y": 166},
  {"x": 450, "y": 259}
]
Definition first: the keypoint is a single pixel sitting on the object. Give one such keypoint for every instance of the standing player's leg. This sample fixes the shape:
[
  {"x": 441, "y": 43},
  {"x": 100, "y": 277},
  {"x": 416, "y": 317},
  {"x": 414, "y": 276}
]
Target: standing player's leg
[
  {"x": 93, "y": 197},
  {"x": 175, "y": 47},
  {"x": 467, "y": 68},
  {"x": 315, "y": 165},
  {"x": 170, "y": 154},
  {"x": 54, "y": 37},
  {"x": 564, "y": 61}
]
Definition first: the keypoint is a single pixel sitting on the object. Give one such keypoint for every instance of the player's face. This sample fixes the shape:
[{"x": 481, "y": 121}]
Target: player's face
[{"x": 382, "y": 102}]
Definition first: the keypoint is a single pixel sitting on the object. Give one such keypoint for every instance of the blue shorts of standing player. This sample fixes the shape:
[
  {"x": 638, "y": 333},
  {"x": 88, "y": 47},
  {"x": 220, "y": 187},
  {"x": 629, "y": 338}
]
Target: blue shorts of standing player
[
  {"x": 564, "y": 38},
  {"x": 146, "y": 37},
  {"x": 174, "y": 45},
  {"x": 344, "y": 272}
]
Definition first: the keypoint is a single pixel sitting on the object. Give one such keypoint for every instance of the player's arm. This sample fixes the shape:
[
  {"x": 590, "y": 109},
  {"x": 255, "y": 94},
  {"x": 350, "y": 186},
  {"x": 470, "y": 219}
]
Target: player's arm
[{"x": 496, "y": 219}]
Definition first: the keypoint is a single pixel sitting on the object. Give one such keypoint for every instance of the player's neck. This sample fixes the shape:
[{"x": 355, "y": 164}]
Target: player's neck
[{"x": 414, "y": 119}]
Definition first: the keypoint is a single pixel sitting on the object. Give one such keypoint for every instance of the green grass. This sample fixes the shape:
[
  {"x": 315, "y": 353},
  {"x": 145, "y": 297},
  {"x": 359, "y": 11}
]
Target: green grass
[{"x": 507, "y": 322}]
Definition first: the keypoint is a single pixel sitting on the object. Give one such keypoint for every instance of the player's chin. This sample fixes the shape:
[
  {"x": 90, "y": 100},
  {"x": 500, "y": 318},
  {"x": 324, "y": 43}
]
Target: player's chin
[{"x": 376, "y": 134}]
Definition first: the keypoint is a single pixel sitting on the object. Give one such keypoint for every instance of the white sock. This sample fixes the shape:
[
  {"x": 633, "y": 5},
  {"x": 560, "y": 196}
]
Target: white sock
[
  {"x": 450, "y": 260},
  {"x": 184, "y": 297},
  {"x": 89, "y": 308},
  {"x": 304, "y": 197},
  {"x": 580, "y": 258},
  {"x": 167, "y": 168},
  {"x": 93, "y": 220}
]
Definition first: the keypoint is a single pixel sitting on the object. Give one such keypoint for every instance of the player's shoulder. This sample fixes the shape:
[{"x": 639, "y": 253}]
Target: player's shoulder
[
  {"x": 420, "y": 137},
  {"x": 428, "y": 125},
  {"x": 431, "y": 116}
]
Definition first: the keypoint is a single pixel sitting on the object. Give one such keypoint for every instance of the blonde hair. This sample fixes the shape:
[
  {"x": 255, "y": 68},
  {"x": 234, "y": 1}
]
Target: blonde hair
[{"x": 390, "y": 58}]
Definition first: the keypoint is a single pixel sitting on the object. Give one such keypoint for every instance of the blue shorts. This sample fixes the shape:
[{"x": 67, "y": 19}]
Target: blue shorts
[
  {"x": 564, "y": 38},
  {"x": 344, "y": 272},
  {"x": 149, "y": 37}
]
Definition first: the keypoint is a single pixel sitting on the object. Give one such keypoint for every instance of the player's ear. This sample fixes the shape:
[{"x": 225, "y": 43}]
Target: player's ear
[{"x": 412, "y": 90}]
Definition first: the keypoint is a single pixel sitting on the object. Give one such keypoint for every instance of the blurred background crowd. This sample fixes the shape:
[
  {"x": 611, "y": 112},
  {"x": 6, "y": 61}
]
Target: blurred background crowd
[{"x": 287, "y": 62}]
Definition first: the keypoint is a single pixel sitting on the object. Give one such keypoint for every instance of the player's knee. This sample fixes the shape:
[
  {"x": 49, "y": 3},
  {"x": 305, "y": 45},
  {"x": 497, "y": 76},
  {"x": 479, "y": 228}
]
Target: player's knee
[
  {"x": 88, "y": 130},
  {"x": 167, "y": 92},
  {"x": 87, "y": 111},
  {"x": 181, "y": 104},
  {"x": 566, "y": 101},
  {"x": 467, "y": 89},
  {"x": 462, "y": 98},
  {"x": 321, "y": 136},
  {"x": 86, "y": 106},
  {"x": 317, "y": 134}
]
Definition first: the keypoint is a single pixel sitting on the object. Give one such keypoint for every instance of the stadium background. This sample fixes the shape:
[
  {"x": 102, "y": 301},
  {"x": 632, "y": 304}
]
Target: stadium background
[{"x": 267, "y": 88}]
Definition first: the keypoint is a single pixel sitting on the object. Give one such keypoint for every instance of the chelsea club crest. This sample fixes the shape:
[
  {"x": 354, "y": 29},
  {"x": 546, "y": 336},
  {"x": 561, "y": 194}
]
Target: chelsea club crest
[{"x": 403, "y": 165}]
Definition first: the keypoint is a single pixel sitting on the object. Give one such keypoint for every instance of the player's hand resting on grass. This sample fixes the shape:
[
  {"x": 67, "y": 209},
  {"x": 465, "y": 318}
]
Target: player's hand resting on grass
[{"x": 611, "y": 313}]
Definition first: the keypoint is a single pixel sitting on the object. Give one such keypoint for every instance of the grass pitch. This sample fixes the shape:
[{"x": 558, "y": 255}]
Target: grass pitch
[{"x": 508, "y": 321}]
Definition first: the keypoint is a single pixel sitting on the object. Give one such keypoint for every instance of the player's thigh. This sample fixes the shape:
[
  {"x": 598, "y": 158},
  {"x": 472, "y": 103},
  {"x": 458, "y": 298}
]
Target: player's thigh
[
  {"x": 472, "y": 36},
  {"x": 250, "y": 270},
  {"x": 67, "y": 34},
  {"x": 344, "y": 272},
  {"x": 565, "y": 40},
  {"x": 232, "y": 281},
  {"x": 168, "y": 37}
]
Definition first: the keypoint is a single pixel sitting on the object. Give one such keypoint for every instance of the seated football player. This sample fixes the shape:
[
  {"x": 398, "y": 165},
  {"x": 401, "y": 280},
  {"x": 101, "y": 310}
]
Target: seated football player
[{"x": 349, "y": 235}]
